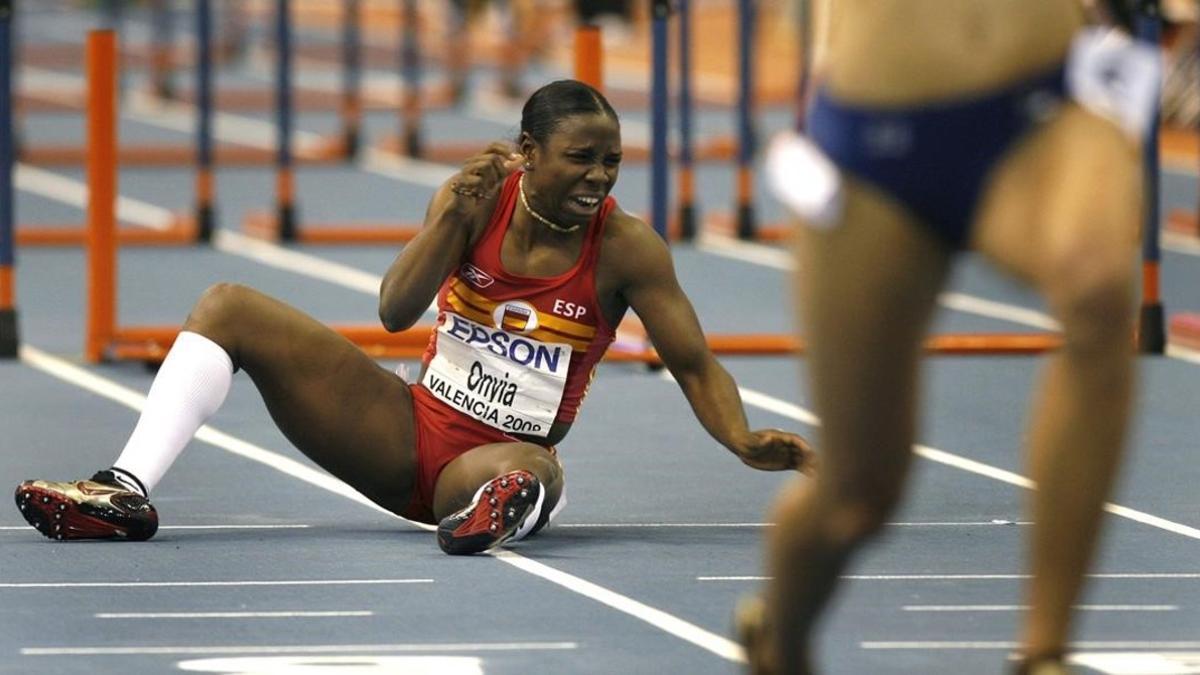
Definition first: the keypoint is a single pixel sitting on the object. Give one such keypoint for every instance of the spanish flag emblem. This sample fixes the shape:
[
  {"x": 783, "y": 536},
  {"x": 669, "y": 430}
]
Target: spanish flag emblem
[{"x": 517, "y": 318}]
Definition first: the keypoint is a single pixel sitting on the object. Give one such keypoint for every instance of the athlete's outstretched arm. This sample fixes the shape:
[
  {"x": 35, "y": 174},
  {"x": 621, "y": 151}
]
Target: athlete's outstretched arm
[
  {"x": 453, "y": 219},
  {"x": 652, "y": 291}
]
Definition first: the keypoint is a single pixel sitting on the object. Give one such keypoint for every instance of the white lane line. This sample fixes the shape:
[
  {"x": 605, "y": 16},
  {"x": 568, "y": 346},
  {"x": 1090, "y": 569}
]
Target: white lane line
[
  {"x": 1180, "y": 243},
  {"x": 235, "y": 527},
  {"x": 303, "y": 649},
  {"x": 1082, "y": 644},
  {"x": 257, "y": 133},
  {"x": 673, "y": 625},
  {"x": 261, "y": 134},
  {"x": 977, "y": 523},
  {"x": 980, "y": 523},
  {"x": 203, "y": 584},
  {"x": 291, "y": 260},
  {"x": 25, "y": 528},
  {"x": 173, "y": 116},
  {"x": 971, "y": 304},
  {"x": 1023, "y": 608},
  {"x": 1183, "y": 353},
  {"x": 1138, "y": 663},
  {"x": 775, "y": 405},
  {"x": 721, "y": 646},
  {"x": 232, "y": 615},
  {"x": 971, "y": 577},
  {"x": 804, "y": 416},
  {"x": 736, "y": 249},
  {"x": 75, "y": 193},
  {"x": 649, "y": 525}
]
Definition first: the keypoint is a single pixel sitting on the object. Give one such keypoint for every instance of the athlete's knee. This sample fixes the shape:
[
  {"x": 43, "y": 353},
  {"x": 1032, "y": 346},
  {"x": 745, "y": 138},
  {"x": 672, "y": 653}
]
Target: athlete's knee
[
  {"x": 1093, "y": 297},
  {"x": 219, "y": 308},
  {"x": 853, "y": 516},
  {"x": 547, "y": 468},
  {"x": 537, "y": 460}
]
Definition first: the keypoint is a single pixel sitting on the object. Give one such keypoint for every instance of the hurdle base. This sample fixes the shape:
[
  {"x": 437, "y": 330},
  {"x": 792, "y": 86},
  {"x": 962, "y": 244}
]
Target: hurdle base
[
  {"x": 206, "y": 222},
  {"x": 285, "y": 220},
  {"x": 686, "y": 225},
  {"x": 9, "y": 338},
  {"x": 352, "y": 144},
  {"x": 1151, "y": 338},
  {"x": 746, "y": 222}
]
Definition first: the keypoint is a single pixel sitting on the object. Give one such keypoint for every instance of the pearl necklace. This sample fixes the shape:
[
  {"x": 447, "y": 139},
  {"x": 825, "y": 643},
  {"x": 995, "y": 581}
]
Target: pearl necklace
[{"x": 539, "y": 217}]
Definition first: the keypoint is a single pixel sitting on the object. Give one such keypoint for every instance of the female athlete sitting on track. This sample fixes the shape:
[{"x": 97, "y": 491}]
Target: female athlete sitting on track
[
  {"x": 532, "y": 265},
  {"x": 1003, "y": 127}
]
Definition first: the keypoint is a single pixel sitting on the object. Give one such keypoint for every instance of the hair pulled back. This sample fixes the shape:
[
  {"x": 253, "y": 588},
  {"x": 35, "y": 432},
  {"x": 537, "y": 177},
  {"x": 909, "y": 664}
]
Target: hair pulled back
[{"x": 551, "y": 104}]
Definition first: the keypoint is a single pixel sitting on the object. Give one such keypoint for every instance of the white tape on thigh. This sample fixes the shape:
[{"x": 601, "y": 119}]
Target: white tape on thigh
[
  {"x": 1115, "y": 77},
  {"x": 804, "y": 179}
]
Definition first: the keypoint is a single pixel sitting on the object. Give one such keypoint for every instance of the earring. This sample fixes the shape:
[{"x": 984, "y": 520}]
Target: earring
[{"x": 528, "y": 167}]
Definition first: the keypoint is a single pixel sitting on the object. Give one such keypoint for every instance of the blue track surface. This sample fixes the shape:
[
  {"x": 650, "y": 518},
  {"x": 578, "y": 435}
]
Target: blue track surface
[{"x": 260, "y": 559}]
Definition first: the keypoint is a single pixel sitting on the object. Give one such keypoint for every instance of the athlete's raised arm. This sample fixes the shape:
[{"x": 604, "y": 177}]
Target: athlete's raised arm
[{"x": 454, "y": 217}]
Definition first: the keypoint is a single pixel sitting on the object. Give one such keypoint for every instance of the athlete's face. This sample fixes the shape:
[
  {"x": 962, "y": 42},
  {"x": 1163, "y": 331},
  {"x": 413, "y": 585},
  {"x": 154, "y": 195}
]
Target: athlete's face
[{"x": 574, "y": 170}]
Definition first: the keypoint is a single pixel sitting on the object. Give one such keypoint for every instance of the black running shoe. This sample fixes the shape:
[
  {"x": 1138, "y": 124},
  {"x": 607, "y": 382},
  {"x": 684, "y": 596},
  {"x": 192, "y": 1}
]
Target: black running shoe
[
  {"x": 99, "y": 508},
  {"x": 499, "y": 510}
]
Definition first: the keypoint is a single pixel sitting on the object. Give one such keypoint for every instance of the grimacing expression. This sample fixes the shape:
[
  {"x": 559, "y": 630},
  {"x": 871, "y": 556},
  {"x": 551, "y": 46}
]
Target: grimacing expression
[{"x": 575, "y": 169}]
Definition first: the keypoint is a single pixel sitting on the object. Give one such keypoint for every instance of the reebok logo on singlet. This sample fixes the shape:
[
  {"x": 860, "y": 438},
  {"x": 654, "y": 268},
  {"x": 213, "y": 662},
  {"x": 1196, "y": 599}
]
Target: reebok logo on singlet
[{"x": 475, "y": 276}]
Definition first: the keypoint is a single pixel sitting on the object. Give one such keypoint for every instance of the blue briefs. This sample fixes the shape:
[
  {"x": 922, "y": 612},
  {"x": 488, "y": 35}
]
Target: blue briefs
[{"x": 934, "y": 159}]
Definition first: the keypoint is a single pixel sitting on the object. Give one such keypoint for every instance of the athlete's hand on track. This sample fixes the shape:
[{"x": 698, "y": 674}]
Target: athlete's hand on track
[
  {"x": 776, "y": 450},
  {"x": 482, "y": 175}
]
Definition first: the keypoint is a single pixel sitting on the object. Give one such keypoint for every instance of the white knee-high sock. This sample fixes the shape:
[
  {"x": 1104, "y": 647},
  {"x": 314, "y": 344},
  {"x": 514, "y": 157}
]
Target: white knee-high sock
[{"x": 190, "y": 386}]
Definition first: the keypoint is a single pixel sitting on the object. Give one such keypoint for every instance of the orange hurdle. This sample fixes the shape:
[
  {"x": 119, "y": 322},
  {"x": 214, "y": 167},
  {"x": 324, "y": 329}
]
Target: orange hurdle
[
  {"x": 101, "y": 66},
  {"x": 105, "y": 338}
]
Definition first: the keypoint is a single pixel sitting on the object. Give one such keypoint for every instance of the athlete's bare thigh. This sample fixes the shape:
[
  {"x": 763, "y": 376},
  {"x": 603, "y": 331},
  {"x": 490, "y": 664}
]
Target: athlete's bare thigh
[
  {"x": 332, "y": 401},
  {"x": 1064, "y": 203}
]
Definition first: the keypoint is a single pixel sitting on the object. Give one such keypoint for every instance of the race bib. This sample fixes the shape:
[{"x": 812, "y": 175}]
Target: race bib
[
  {"x": 1116, "y": 77},
  {"x": 504, "y": 379},
  {"x": 805, "y": 180}
]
